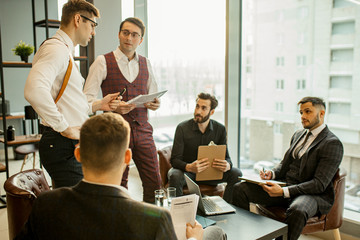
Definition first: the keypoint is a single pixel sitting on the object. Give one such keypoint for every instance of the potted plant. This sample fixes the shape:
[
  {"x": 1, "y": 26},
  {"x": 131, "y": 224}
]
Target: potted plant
[{"x": 23, "y": 50}]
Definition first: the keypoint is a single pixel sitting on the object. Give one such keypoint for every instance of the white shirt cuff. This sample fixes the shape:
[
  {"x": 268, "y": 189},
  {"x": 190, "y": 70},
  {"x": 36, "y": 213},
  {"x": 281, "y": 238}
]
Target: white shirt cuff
[
  {"x": 192, "y": 238},
  {"x": 286, "y": 192}
]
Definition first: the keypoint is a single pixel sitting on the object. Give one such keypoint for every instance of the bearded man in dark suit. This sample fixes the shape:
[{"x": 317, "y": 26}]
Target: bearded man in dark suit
[{"x": 308, "y": 168}]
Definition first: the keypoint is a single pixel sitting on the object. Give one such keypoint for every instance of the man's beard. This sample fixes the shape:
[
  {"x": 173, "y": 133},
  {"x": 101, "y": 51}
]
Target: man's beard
[
  {"x": 200, "y": 119},
  {"x": 316, "y": 121}
]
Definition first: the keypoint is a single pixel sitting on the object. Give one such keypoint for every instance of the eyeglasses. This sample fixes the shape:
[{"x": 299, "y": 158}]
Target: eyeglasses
[
  {"x": 92, "y": 25},
  {"x": 134, "y": 35}
]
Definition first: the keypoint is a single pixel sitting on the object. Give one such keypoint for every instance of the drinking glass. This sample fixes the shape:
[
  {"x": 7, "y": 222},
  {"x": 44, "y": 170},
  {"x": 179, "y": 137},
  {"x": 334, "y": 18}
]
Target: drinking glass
[
  {"x": 171, "y": 193},
  {"x": 159, "y": 197}
]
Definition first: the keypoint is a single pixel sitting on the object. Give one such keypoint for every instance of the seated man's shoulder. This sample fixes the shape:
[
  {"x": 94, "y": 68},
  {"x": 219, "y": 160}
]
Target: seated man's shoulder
[{"x": 148, "y": 210}]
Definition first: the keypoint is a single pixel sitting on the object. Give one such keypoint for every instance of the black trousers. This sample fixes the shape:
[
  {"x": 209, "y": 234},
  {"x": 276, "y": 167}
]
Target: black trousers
[
  {"x": 57, "y": 156},
  {"x": 299, "y": 209}
]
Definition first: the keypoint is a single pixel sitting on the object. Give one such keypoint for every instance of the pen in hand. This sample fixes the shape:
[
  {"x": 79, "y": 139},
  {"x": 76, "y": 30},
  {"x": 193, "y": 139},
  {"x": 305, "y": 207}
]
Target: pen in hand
[{"x": 122, "y": 92}]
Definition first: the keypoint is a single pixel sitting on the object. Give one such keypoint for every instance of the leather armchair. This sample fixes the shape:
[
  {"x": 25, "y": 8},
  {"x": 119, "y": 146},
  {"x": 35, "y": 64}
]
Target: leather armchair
[
  {"x": 21, "y": 191},
  {"x": 164, "y": 165},
  {"x": 330, "y": 221}
]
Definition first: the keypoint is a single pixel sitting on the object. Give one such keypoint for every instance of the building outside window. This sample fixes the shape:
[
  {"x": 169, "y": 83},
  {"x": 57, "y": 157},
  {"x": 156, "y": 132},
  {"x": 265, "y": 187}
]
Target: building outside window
[{"x": 325, "y": 65}]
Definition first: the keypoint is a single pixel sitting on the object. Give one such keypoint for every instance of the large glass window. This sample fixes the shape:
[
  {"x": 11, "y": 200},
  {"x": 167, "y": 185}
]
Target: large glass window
[
  {"x": 186, "y": 47},
  {"x": 325, "y": 66}
]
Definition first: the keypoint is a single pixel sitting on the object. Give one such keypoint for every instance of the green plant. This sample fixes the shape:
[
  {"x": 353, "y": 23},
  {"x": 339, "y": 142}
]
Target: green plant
[{"x": 23, "y": 49}]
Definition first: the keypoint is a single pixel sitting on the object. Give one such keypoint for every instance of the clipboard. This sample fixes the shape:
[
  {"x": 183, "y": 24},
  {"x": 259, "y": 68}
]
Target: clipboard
[
  {"x": 211, "y": 152},
  {"x": 259, "y": 181},
  {"x": 141, "y": 99}
]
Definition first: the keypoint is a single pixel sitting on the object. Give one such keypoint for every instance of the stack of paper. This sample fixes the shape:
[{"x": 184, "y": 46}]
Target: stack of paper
[{"x": 183, "y": 210}]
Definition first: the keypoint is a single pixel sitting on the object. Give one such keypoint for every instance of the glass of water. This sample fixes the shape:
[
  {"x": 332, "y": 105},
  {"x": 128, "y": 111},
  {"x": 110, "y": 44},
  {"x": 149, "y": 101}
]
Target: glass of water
[
  {"x": 159, "y": 197},
  {"x": 171, "y": 193}
]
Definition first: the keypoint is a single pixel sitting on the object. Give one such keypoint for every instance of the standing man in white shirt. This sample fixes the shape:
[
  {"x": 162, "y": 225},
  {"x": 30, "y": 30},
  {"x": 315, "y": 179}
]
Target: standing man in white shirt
[
  {"x": 62, "y": 119},
  {"x": 125, "y": 69}
]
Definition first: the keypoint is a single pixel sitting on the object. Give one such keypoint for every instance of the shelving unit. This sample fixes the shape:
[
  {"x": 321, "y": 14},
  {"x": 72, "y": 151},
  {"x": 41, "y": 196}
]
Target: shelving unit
[
  {"x": 84, "y": 61},
  {"x": 52, "y": 23}
]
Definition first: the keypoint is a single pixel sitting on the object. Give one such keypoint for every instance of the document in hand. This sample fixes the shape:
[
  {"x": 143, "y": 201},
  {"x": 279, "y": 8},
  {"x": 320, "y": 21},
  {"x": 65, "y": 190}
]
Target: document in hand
[
  {"x": 183, "y": 210},
  {"x": 211, "y": 152},
  {"x": 259, "y": 181},
  {"x": 141, "y": 99}
]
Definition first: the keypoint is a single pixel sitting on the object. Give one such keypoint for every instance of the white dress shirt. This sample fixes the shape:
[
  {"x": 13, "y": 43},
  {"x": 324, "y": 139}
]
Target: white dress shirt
[
  {"x": 45, "y": 80},
  {"x": 314, "y": 134},
  {"x": 129, "y": 69}
]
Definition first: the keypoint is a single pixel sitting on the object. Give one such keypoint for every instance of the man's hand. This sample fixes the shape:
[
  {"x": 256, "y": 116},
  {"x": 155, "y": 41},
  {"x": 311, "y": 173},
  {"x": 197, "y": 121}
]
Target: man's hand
[
  {"x": 154, "y": 105},
  {"x": 109, "y": 103},
  {"x": 198, "y": 165},
  {"x": 267, "y": 175},
  {"x": 124, "y": 108},
  {"x": 221, "y": 165},
  {"x": 273, "y": 189},
  {"x": 195, "y": 231},
  {"x": 72, "y": 133}
]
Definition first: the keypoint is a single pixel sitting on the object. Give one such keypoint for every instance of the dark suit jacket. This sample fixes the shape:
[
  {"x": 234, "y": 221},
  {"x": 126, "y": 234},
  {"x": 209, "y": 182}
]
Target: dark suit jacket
[
  {"x": 317, "y": 169},
  {"x": 89, "y": 211}
]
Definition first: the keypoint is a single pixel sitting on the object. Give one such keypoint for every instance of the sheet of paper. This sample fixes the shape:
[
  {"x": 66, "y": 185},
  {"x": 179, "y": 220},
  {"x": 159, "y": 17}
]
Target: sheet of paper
[
  {"x": 183, "y": 210},
  {"x": 259, "y": 181},
  {"x": 141, "y": 99}
]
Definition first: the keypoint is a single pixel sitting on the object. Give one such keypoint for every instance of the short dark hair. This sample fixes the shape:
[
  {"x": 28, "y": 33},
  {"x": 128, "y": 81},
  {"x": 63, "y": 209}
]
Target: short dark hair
[
  {"x": 316, "y": 102},
  {"x": 207, "y": 96},
  {"x": 104, "y": 139},
  {"x": 73, "y": 7},
  {"x": 137, "y": 21}
]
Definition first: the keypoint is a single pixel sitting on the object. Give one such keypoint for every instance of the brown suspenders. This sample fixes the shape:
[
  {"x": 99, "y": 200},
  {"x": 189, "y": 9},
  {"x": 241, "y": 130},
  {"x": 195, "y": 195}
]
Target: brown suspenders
[{"x": 66, "y": 77}]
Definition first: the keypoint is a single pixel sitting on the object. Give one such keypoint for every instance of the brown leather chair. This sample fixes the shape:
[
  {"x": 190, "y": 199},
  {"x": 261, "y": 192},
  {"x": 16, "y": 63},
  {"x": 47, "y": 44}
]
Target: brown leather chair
[
  {"x": 21, "y": 191},
  {"x": 164, "y": 163},
  {"x": 330, "y": 221}
]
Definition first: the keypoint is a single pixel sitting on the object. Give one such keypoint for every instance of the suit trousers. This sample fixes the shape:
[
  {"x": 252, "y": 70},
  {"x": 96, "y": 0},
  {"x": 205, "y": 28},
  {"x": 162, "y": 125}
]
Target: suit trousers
[
  {"x": 144, "y": 155},
  {"x": 177, "y": 180},
  {"x": 299, "y": 209},
  {"x": 57, "y": 156}
]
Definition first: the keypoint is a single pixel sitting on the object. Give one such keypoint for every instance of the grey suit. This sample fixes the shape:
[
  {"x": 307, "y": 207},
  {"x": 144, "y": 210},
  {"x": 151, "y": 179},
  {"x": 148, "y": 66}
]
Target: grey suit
[
  {"x": 313, "y": 193},
  {"x": 89, "y": 211}
]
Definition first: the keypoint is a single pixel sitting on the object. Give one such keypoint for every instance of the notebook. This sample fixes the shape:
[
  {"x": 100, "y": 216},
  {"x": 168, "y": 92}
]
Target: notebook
[{"x": 210, "y": 205}]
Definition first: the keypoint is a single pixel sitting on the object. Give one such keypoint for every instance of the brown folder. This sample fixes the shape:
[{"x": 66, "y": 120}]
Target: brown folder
[{"x": 211, "y": 152}]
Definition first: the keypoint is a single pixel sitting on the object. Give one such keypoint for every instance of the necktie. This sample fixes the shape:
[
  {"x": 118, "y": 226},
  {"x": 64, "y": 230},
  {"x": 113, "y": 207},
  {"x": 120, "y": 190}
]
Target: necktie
[{"x": 298, "y": 149}]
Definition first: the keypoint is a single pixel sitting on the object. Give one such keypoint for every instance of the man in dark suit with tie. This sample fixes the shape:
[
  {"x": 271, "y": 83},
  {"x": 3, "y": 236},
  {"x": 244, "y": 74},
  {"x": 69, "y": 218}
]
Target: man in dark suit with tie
[
  {"x": 308, "y": 168},
  {"x": 98, "y": 207}
]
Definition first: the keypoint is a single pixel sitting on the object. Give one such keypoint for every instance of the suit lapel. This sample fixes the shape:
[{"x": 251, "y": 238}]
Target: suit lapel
[
  {"x": 297, "y": 139},
  {"x": 317, "y": 140}
]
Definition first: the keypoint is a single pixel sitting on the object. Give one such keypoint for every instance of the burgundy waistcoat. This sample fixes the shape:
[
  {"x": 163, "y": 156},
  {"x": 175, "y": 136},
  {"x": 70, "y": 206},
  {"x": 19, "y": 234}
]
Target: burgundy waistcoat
[{"x": 115, "y": 82}]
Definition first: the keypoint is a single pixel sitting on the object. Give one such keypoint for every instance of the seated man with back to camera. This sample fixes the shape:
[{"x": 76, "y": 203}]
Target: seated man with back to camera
[
  {"x": 98, "y": 207},
  {"x": 308, "y": 168},
  {"x": 189, "y": 135}
]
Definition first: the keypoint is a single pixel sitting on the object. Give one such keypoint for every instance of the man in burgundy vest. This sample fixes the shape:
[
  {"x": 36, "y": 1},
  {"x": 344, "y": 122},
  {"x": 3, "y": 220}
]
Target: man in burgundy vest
[{"x": 125, "y": 70}]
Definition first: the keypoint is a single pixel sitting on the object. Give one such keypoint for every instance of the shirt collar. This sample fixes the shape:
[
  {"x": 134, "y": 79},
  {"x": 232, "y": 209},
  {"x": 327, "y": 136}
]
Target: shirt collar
[
  {"x": 119, "y": 55},
  {"x": 61, "y": 35},
  {"x": 315, "y": 132},
  {"x": 108, "y": 185},
  {"x": 209, "y": 127}
]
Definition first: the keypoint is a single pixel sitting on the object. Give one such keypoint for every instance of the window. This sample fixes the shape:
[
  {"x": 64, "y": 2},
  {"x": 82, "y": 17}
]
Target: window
[
  {"x": 279, "y": 107},
  {"x": 280, "y": 84},
  {"x": 341, "y": 82},
  {"x": 316, "y": 68},
  {"x": 300, "y": 84},
  {"x": 300, "y": 61},
  {"x": 339, "y": 108},
  {"x": 280, "y": 61},
  {"x": 188, "y": 57},
  {"x": 343, "y": 28},
  {"x": 342, "y": 55}
]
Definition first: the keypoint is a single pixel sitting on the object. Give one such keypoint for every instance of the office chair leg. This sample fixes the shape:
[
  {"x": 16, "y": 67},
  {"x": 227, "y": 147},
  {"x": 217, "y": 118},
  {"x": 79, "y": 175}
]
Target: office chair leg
[
  {"x": 23, "y": 164},
  {"x": 34, "y": 155},
  {"x": 336, "y": 233}
]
